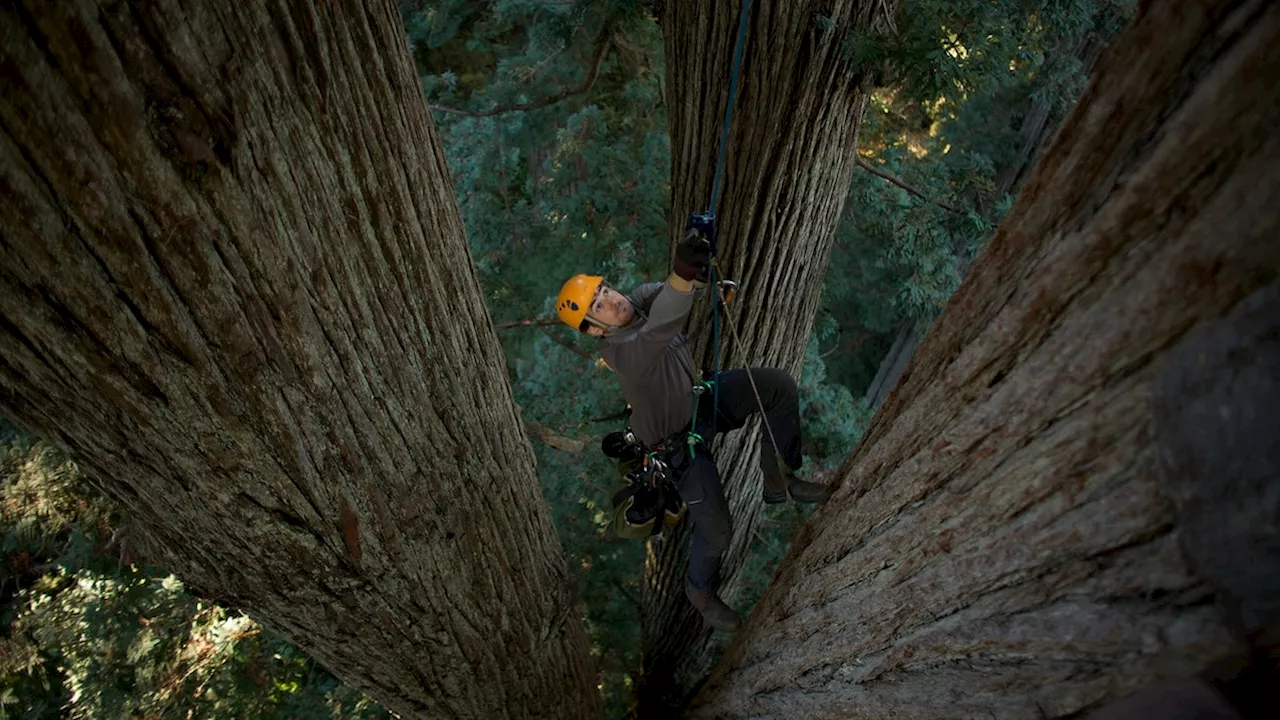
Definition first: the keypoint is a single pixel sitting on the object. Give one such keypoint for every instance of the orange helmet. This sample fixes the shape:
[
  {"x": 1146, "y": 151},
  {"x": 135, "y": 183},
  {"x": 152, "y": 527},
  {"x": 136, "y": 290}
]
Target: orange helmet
[{"x": 575, "y": 298}]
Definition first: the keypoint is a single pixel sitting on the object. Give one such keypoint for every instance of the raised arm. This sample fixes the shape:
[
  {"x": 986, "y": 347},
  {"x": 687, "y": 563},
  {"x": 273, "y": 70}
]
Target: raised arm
[
  {"x": 640, "y": 352},
  {"x": 644, "y": 295}
]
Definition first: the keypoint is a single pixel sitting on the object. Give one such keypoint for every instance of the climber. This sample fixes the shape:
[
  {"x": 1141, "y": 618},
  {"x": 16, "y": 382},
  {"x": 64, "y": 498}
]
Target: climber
[{"x": 642, "y": 341}]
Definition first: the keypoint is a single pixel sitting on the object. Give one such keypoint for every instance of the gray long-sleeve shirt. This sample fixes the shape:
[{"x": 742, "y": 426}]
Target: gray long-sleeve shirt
[{"x": 654, "y": 363}]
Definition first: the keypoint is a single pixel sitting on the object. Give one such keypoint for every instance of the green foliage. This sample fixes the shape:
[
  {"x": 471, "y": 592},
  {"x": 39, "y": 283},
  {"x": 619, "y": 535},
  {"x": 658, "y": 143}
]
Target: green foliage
[
  {"x": 434, "y": 25},
  {"x": 576, "y": 186},
  {"x": 969, "y": 79},
  {"x": 951, "y": 48},
  {"x": 48, "y": 516},
  {"x": 833, "y": 420},
  {"x": 895, "y": 256},
  {"x": 581, "y": 185},
  {"x": 86, "y": 635},
  {"x": 135, "y": 645}
]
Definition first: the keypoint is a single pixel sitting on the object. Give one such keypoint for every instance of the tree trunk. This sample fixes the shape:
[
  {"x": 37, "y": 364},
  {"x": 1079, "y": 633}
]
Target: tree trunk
[
  {"x": 789, "y": 162},
  {"x": 1000, "y": 544},
  {"x": 234, "y": 285},
  {"x": 894, "y": 363}
]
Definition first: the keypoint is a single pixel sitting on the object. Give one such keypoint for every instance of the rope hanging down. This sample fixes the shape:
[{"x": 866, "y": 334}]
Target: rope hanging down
[
  {"x": 711, "y": 209},
  {"x": 728, "y": 110},
  {"x": 764, "y": 418},
  {"x": 705, "y": 223}
]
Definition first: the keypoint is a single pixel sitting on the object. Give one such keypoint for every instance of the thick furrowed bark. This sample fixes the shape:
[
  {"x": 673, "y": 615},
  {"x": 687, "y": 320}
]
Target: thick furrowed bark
[
  {"x": 1000, "y": 544},
  {"x": 790, "y": 158},
  {"x": 234, "y": 284}
]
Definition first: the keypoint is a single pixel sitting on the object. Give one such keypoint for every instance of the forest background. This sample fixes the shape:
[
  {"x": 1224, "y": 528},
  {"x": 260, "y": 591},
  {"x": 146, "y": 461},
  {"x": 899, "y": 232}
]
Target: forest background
[{"x": 552, "y": 115}]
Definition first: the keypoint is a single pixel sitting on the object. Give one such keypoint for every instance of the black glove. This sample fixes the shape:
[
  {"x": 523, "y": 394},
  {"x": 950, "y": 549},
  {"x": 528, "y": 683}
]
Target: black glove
[{"x": 693, "y": 257}]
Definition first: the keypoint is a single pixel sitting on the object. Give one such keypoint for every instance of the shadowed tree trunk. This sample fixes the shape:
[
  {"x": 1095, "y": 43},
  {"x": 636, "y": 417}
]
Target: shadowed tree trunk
[
  {"x": 234, "y": 285},
  {"x": 790, "y": 158},
  {"x": 894, "y": 363},
  {"x": 1000, "y": 544}
]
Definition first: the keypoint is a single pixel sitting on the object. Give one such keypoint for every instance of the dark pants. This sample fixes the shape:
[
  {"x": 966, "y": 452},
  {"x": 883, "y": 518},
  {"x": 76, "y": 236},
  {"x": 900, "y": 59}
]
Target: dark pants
[{"x": 700, "y": 479}]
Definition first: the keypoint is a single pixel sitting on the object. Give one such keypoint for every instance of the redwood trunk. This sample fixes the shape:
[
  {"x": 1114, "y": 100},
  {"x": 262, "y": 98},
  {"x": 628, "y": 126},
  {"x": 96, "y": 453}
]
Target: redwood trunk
[
  {"x": 234, "y": 284},
  {"x": 1000, "y": 544},
  {"x": 789, "y": 162}
]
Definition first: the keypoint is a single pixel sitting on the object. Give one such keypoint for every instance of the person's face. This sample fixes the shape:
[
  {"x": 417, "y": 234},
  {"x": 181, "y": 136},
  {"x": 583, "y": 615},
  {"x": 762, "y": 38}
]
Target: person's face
[{"x": 610, "y": 308}]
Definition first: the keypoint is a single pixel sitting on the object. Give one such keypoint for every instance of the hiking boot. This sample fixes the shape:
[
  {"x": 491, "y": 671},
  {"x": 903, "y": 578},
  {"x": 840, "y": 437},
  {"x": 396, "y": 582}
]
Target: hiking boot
[
  {"x": 713, "y": 610},
  {"x": 779, "y": 489}
]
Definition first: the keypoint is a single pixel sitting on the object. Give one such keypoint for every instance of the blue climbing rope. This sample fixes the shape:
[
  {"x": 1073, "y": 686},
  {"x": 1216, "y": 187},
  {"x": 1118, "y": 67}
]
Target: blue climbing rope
[
  {"x": 715, "y": 353},
  {"x": 711, "y": 209},
  {"x": 728, "y": 110}
]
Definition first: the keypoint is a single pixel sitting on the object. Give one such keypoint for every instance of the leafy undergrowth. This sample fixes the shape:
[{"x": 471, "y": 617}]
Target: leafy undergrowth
[{"x": 87, "y": 633}]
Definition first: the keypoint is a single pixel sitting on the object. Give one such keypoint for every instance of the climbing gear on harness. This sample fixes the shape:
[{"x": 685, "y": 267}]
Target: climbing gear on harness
[
  {"x": 717, "y": 614},
  {"x": 575, "y": 299},
  {"x": 693, "y": 438},
  {"x": 622, "y": 445},
  {"x": 650, "y": 502}
]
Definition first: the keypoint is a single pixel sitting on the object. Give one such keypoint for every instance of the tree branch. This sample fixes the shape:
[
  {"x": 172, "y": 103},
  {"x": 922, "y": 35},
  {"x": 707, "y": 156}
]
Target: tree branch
[
  {"x": 559, "y": 442},
  {"x": 627, "y": 594},
  {"x": 534, "y": 322},
  {"x": 611, "y": 418},
  {"x": 622, "y": 42},
  {"x": 896, "y": 181},
  {"x": 568, "y": 345},
  {"x": 602, "y": 44}
]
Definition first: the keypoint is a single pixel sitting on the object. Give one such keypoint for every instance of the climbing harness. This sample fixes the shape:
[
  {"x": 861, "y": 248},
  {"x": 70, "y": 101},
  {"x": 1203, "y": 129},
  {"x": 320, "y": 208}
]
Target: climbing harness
[
  {"x": 650, "y": 502},
  {"x": 693, "y": 438}
]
